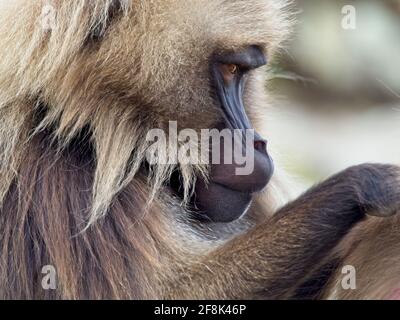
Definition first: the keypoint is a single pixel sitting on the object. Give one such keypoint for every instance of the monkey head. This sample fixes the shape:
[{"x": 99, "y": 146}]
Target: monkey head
[{"x": 121, "y": 68}]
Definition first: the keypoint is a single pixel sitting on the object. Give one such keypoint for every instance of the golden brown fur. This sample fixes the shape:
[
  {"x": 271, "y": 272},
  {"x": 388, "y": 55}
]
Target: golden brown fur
[
  {"x": 372, "y": 249},
  {"x": 111, "y": 88},
  {"x": 114, "y": 86}
]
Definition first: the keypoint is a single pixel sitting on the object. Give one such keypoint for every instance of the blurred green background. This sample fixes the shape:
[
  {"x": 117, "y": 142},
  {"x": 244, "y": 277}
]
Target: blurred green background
[{"x": 338, "y": 89}]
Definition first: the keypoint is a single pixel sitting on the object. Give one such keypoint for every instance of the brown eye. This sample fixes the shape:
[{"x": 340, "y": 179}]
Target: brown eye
[
  {"x": 229, "y": 71},
  {"x": 233, "y": 68}
]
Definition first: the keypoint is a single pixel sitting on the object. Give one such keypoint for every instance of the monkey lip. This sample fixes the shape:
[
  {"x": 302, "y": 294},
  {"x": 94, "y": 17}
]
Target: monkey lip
[
  {"x": 230, "y": 192},
  {"x": 220, "y": 203}
]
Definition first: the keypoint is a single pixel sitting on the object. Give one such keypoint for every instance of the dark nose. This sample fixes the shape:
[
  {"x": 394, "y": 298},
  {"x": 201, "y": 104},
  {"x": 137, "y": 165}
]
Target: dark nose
[
  {"x": 261, "y": 146},
  {"x": 256, "y": 180}
]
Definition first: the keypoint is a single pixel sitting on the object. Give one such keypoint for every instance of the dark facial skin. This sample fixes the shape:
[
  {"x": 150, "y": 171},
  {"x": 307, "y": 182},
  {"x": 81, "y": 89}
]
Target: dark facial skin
[{"x": 228, "y": 195}]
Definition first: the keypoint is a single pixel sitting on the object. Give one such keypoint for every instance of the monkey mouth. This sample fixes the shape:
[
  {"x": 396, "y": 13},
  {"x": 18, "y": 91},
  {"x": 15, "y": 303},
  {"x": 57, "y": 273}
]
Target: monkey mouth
[{"x": 229, "y": 194}]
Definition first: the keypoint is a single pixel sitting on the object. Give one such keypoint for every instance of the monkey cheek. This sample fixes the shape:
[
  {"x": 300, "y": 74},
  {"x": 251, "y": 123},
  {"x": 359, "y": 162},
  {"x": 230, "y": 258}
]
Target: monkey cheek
[{"x": 220, "y": 204}]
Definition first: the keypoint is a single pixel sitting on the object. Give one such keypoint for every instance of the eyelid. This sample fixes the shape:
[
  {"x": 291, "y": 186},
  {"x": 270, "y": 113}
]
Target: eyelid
[{"x": 251, "y": 58}]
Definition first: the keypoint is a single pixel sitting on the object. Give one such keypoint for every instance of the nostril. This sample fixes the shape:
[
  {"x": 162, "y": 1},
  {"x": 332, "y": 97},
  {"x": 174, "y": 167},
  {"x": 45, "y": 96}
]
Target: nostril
[{"x": 261, "y": 146}]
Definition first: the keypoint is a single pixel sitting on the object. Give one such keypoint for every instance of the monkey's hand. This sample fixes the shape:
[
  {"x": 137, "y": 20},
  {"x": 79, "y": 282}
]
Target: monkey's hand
[
  {"x": 276, "y": 257},
  {"x": 367, "y": 189}
]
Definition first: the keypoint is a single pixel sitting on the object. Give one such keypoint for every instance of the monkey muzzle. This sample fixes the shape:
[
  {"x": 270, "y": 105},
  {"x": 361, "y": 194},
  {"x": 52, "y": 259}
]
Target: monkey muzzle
[{"x": 229, "y": 193}]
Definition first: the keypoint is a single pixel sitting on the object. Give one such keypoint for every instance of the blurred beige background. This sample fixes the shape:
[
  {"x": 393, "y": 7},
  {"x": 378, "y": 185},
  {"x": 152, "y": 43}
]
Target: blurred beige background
[{"x": 339, "y": 89}]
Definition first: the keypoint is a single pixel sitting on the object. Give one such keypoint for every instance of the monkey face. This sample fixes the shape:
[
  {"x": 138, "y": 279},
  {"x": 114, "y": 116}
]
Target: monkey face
[
  {"x": 228, "y": 194},
  {"x": 143, "y": 64}
]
